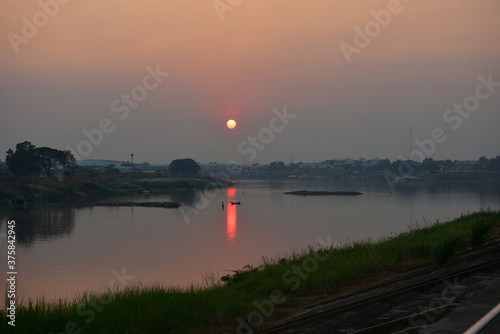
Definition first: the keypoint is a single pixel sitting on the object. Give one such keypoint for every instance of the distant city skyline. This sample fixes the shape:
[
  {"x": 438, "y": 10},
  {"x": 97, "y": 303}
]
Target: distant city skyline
[
  {"x": 312, "y": 79},
  {"x": 89, "y": 162}
]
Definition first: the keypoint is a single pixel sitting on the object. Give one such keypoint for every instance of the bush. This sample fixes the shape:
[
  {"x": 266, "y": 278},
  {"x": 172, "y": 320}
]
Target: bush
[
  {"x": 480, "y": 231},
  {"x": 240, "y": 275},
  {"x": 445, "y": 250}
]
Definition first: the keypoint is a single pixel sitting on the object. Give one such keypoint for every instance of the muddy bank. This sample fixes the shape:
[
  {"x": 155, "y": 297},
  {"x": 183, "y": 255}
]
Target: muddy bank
[
  {"x": 167, "y": 205},
  {"x": 323, "y": 193}
]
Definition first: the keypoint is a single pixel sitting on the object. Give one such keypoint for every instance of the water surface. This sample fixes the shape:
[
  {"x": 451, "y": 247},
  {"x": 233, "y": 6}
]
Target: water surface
[{"x": 63, "y": 251}]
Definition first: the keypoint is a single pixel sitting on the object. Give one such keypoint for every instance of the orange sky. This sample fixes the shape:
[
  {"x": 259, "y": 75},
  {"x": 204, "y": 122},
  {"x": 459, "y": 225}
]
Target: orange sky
[{"x": 264, "y": 54}]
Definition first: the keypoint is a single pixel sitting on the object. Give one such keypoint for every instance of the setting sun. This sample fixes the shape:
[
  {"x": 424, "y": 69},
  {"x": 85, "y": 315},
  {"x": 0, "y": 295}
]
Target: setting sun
[{"x": 231, "y": 124}]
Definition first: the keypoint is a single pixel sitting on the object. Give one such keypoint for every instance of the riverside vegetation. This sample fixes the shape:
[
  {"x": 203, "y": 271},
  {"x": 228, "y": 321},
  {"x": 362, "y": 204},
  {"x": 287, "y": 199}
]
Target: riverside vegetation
[
  {"x": 256, "y": 295},
  {"x": 87, "y": 187}
]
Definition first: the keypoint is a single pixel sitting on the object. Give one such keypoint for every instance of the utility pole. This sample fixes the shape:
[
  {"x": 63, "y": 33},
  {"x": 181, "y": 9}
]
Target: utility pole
[
  {"x": 132, "y": 156},
  {"x": 409, "y": 152}
]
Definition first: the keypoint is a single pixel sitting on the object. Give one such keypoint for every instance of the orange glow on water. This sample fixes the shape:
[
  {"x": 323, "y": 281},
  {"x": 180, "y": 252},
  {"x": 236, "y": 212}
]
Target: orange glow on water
[
  {"x": 231, "y": 194},
  {"x": 232, "y": 216},
  {"x": 231, "y": 223}
]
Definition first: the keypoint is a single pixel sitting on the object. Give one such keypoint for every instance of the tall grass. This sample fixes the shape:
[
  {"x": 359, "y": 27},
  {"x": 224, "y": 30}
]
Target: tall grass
[{"x": 314, "y": 273}]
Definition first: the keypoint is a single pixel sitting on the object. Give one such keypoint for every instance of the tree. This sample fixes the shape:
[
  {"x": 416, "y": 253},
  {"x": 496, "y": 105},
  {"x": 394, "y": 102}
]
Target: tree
[
  {"x": 69, "y": 163},
  {"x": 483, "y": 163},
  {"x": 184, "y": 166},
  {"x": 449, "y": 164},
  {"x": 23, "y": 161},
  {"x": 276, "y": 166},
  {"x": 50, "y": 158},
  {"x": 30, "y": 160},
  {"x": 430, "y": 165},
  {"x": 495, "y": 163}
]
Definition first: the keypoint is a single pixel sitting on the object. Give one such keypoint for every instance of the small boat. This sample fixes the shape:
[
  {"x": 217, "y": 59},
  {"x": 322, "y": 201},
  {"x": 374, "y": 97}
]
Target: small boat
[{"x": 235, "y": 203}]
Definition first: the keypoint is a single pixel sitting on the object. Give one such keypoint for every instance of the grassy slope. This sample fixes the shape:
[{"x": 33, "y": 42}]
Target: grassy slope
[{"x": 310, "y": 276}]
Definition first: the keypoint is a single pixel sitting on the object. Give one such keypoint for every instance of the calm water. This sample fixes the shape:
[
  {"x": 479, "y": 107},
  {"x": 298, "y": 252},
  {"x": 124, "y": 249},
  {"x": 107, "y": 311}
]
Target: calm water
[{"x": 65, "y": 251}]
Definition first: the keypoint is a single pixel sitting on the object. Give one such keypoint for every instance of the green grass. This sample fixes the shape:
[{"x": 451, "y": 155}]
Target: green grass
[{"x": 311, "y": 275}]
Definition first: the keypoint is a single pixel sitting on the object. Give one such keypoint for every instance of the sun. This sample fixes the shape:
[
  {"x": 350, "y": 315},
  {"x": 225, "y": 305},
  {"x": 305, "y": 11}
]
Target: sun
[{"x": 231, "y": 124}]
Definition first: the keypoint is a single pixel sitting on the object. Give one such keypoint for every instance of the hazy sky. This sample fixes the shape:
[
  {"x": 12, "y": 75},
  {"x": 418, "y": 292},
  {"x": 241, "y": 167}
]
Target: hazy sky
[{"x": 355, "y": 74}]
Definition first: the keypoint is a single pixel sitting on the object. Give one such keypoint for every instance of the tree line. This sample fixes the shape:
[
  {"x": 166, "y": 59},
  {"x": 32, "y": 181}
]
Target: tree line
[
  {"x": 29, "y": 160},
  {"x": 428, "y": 165}
]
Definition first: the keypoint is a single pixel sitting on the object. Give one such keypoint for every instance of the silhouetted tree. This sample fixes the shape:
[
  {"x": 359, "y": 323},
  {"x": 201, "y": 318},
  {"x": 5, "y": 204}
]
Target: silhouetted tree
[
  {"x": 184, "y": 166},
  {"x": 488, "y": 164},
  {"x": 50, "y": 158},
  {"x": 276, "y": 166},
  {"x": 495, "y": 163},
  {"x": 430, "y": 165},
  {"x": 483, "y": 163},
  {"x": 449, "y": 164},
  {"x": 30, "y": 160},
  {"x": 23, "y": 161}
]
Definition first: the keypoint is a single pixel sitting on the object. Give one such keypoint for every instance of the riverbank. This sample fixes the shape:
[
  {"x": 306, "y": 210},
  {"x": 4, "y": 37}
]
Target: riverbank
[
  {"x": 252, "y": 298},
  {"x": 322, "y": 193},
  {"x": 98, "y": 186},
  {"x": 469, "y": 177},
  {"x": 165, "y": 205}
]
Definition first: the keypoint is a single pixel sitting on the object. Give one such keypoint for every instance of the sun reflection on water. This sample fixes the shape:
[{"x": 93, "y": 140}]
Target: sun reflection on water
[{"x": 232, "y": 216}]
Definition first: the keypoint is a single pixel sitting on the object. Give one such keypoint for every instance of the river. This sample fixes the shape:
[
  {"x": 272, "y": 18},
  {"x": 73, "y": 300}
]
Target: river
[{"x": 62, "y": 251}]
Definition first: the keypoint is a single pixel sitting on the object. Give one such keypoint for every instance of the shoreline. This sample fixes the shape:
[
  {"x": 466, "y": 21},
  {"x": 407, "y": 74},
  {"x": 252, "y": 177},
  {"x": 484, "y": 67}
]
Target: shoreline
[
  {"x": 91, "y": 188},
  {"x": 85, "y": 188},
  {"x": 472, "y": 177},
  {"x": 322, "y": 193}
]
